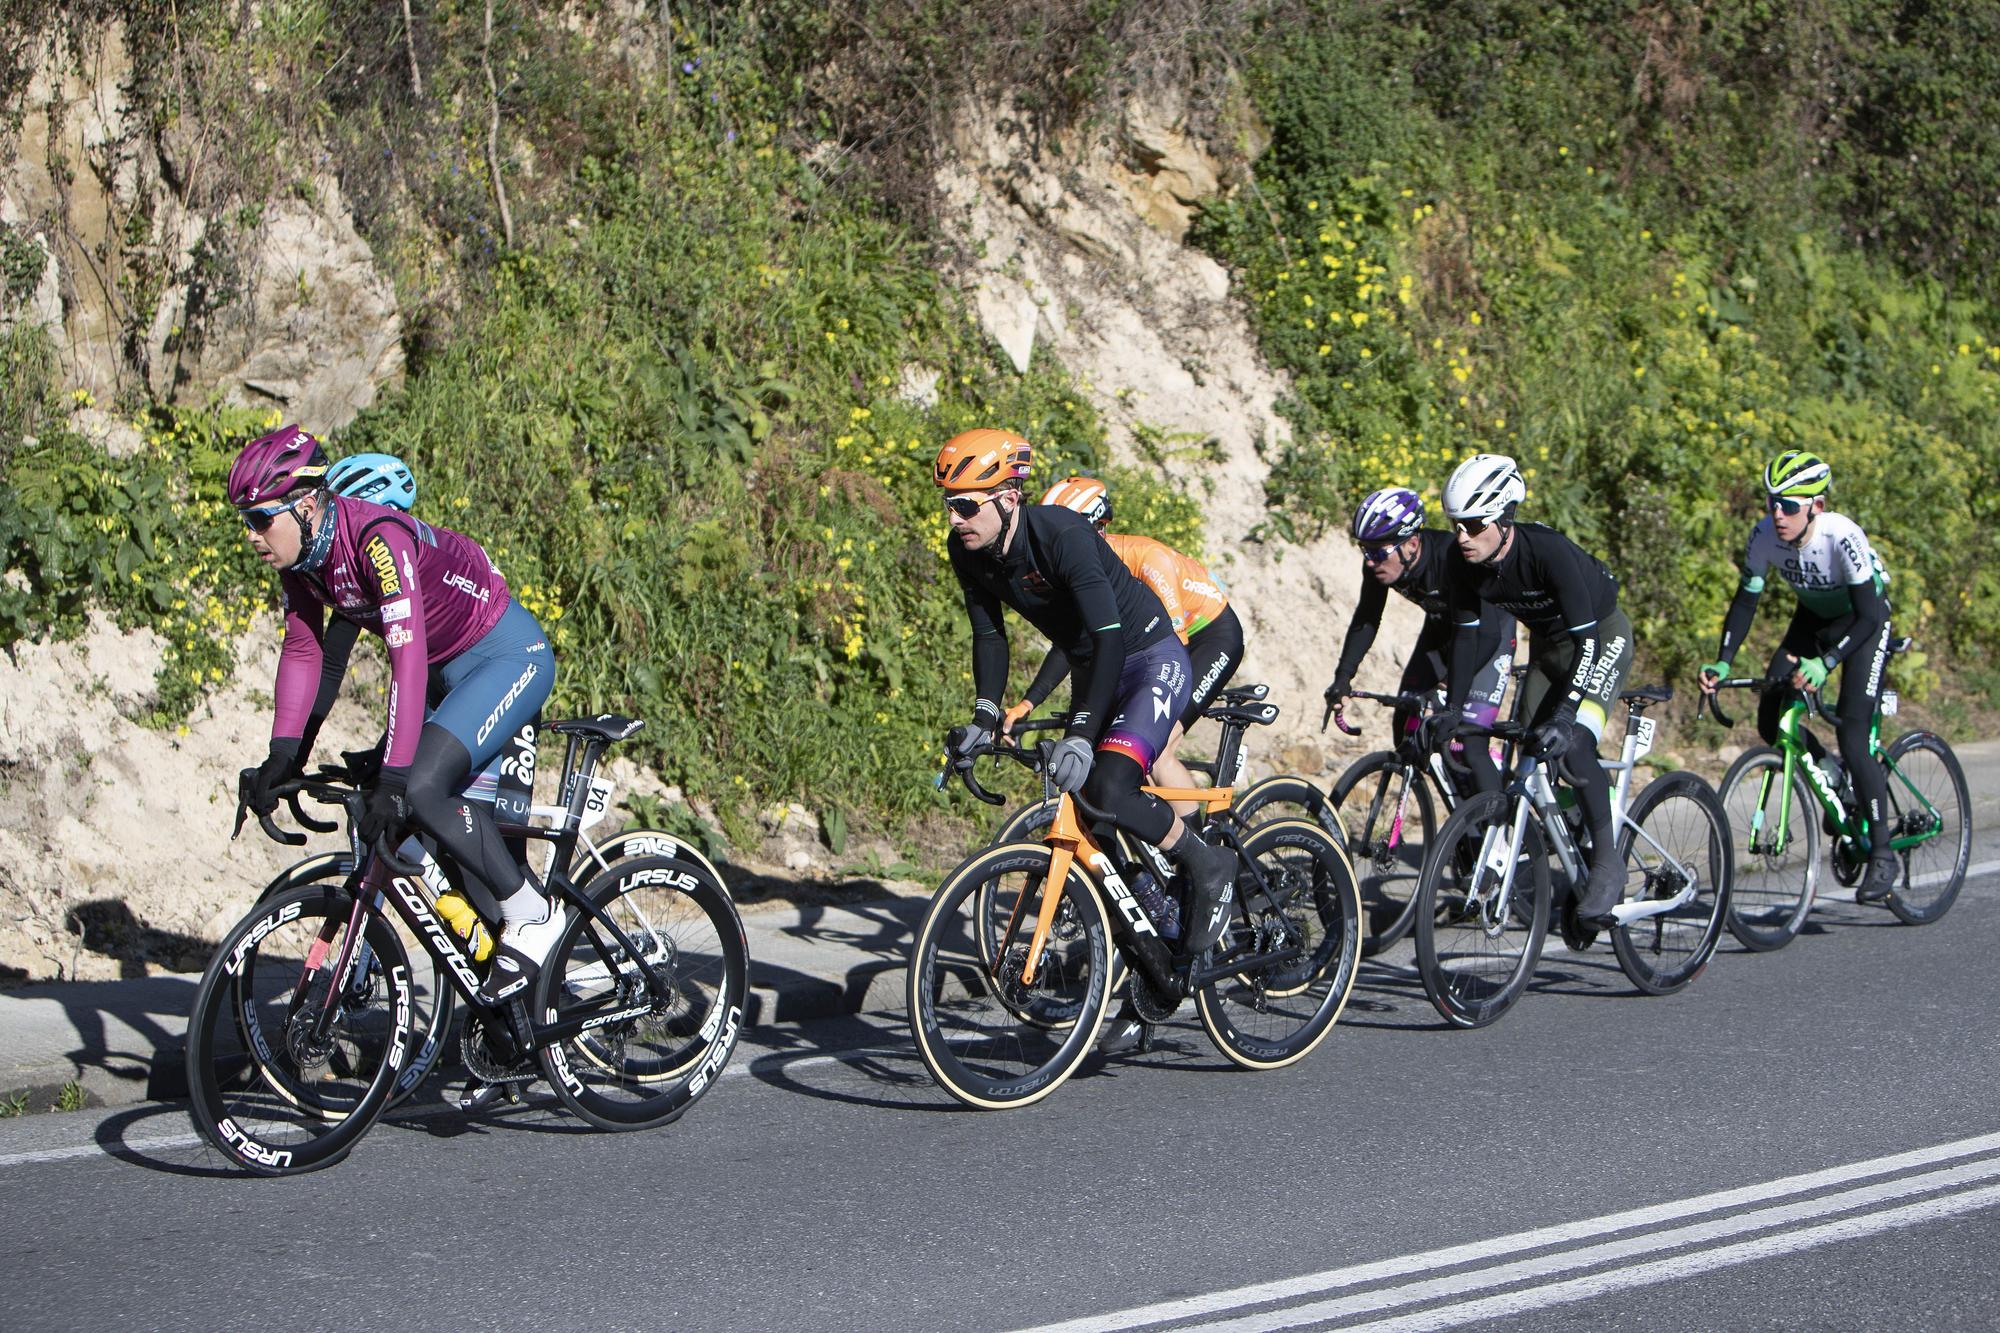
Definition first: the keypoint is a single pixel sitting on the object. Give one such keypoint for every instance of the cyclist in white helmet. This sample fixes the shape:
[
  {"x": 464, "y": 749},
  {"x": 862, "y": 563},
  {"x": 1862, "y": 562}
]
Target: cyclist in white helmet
[{"x": 1580, "y": 645}]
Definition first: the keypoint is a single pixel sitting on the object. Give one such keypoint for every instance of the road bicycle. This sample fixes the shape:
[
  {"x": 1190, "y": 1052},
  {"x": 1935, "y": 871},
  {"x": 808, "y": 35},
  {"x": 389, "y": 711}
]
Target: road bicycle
[
  {"x": 1012, "y": 965},
  {"x": 1392, "y": 801},
  {"x": 1234, "y": 711},
  {"x": 433, "y": 1005},
  {"x": 1484, "y": 897},
  {"x": 305, "y": 1020},
  {"x": 1769, "y": 793}
]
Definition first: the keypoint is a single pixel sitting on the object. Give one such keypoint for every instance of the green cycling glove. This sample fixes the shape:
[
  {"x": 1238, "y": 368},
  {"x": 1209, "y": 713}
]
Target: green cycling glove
[
  {"x": 1719, "y": 670},
  {"x": 1814, "y": 669}
]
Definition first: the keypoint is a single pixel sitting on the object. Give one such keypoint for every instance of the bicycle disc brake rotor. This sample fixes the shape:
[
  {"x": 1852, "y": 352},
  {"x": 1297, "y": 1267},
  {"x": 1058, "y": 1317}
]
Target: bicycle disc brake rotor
[{"x": 1014, "y": 992}]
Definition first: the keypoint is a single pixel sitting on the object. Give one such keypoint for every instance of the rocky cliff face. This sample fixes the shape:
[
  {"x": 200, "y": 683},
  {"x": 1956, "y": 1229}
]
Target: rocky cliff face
[
  {"x": 1080, "y": 256},
  {"x": 158, "y": 279}
]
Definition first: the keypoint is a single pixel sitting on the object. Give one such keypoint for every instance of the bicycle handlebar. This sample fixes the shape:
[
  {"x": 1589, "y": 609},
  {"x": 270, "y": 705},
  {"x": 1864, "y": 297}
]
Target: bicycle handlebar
[
  {"x": 331, "y": 785},
  {"x": 1416, "y": 703},
  {"x": 1759, "y": 684}
]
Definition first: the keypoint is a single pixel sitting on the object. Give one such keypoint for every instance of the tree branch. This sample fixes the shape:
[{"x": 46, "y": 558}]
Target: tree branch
[{"x": 493, "y": 132}]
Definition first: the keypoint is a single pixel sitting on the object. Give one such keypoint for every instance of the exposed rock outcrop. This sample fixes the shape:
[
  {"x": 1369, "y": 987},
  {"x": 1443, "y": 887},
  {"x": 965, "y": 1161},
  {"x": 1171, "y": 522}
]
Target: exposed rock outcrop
[
  {"x": 1082, "y": 254},
  {"x": 162, "y": 280}
]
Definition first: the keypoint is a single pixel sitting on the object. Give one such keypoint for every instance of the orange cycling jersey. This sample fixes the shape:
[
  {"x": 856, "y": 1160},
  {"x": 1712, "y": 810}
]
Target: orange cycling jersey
[{"x": 1184, "y": 587}]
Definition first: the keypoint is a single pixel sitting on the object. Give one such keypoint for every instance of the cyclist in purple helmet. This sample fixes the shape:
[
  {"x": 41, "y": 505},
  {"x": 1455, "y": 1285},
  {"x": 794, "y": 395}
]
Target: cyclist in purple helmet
[
  {"x": 444, "y": 614},
  {"x": 1399, "y": 552}
]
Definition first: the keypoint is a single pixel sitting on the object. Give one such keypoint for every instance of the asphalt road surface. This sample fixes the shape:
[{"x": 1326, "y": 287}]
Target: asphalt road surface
[{"x": 1805, "y": 1138}]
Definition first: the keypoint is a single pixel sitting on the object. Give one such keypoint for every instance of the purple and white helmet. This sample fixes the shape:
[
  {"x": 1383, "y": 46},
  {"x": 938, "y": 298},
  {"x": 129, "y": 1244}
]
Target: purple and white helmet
[
  {"x": 273, "y": 466},
  {"x": 1388, "y": 515}
]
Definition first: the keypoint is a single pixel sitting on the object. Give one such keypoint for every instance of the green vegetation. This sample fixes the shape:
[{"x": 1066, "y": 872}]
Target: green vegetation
[
  {"x": 680, "y": 354},
  {"x": 1604, "y": 238}
]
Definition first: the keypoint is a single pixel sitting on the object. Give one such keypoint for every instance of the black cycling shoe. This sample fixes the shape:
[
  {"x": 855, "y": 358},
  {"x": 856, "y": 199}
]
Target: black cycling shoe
[
  {"x": 1211, "y": 878},
  {"x": 1602, "y": 891},
  {"x": 1576, "y": 935},
  {"x": 479, "y": 1096},
  {"x": 1885, "y": 872},
  {"x": 1127, "y": 1034}
]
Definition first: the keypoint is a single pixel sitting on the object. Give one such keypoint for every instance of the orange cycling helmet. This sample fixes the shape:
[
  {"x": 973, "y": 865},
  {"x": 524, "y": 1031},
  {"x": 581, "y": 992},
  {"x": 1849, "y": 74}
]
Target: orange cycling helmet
[
  {"x": 1086, "y": 495},
  {"x": 979, "y": 460}
]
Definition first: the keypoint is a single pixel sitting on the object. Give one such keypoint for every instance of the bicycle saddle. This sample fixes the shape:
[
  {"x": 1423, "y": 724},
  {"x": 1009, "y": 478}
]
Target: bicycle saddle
[
  {"x": 603, "y": 727},
  {"x": 1646, "y": 694},
  {"x": 1902, "y": 643},
  {"x": 1253, "y": 715},
  {"x": 1242, "y": 694}
]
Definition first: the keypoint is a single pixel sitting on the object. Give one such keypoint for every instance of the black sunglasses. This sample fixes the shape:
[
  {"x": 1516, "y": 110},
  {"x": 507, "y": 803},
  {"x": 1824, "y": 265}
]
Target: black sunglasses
[
  {"x": 1472, "y": 527},
  {"x": 260, "y": 520},
  {"x": 965, "y": 506}
]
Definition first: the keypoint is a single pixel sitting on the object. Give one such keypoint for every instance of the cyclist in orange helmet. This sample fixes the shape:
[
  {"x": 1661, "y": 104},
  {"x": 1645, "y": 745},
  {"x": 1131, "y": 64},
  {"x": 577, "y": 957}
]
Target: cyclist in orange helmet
[
  {"x": 1197, "y": 606},
  {"x": 1132, "y": 675}
]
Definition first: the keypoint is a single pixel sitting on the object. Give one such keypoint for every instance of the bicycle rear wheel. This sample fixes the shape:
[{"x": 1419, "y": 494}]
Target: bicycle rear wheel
[
  {"x": 1476, "y": 955},
  {"x": 1927, "y": 795},
  {"x": 646, "y": 1057},
  {"x": 989, "y": 1038},
  {"x": 1391, "y": 816},
  {"x": 1776, "y": 850},
  {"x": 1289, "y": 797},
  {"x": 288, "y": 1064},
  {"x": 1677, "y": 842},
  {"x": 1267, "y": 1016}
]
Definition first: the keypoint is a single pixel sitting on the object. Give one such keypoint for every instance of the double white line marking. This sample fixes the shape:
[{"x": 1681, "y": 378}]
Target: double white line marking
[{"x": 1421, "y": 1292}]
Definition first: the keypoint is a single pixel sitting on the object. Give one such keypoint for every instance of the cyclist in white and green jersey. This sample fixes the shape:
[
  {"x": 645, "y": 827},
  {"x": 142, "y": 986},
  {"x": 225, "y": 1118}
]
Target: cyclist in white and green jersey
[{"x": 1842, "y": 616}]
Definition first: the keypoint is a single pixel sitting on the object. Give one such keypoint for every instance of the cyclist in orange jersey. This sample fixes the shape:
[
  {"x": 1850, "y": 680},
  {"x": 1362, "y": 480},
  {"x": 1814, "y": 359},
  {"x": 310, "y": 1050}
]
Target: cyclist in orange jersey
[{"x": 1196, "y": 605}]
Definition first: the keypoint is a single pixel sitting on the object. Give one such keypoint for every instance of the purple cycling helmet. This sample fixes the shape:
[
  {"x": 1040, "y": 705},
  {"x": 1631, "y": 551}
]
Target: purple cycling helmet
[
  {"x": 1388, "y": 515},
  {"x": 273, "y": 466}
]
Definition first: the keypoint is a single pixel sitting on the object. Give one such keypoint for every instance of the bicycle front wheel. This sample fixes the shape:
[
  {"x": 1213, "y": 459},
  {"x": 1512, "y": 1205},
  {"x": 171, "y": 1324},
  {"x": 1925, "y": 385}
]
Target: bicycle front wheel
[
  {"x": 1390, "y": 814},
  {"x": 1776, "y": 850},
  {"x": 1478, "y": 938},
  {"x": 1025, "y": 823},
  {"x": 433, "y": 1002},
  {"x": 1293, "y": 947},
  {"x": 990, "y": 1038},
  {"x": 664, "y": 1014},
  {"x": 288, "y": 1063},
  {"x": 1676, "y": 841},
  {"x": 1928, "y": 800}
]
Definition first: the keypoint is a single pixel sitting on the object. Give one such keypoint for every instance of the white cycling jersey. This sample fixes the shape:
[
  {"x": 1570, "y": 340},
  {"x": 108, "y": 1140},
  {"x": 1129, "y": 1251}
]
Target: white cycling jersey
[{"x": 1833, "y": 556}]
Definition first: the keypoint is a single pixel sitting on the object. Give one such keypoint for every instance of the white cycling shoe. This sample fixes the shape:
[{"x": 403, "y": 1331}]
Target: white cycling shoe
[{"x": 518, "y": 955}]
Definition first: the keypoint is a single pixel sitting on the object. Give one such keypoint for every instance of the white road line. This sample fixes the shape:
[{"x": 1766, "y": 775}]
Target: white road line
[
  {"x": 94, "y": 1149},
  {"x": 1641, "y": 1246},
  {"x": 1687, "y": 1265},
  {"x": 1972, "y": 872},
  {"x": 1313, "y": 1284}
]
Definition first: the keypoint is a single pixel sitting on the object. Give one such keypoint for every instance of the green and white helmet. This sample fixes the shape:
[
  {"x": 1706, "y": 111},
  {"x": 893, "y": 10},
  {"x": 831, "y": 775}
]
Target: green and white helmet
[{"x": 1796, "y": 472}]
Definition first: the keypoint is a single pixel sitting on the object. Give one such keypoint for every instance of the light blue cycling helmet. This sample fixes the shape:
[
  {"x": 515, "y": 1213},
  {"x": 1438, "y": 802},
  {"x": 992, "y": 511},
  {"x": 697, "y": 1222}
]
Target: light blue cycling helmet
[{"x": 381, "y": 479}]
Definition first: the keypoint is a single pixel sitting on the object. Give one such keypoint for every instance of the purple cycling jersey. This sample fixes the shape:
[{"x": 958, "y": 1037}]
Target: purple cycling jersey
[{"x": 429, "y": 593}]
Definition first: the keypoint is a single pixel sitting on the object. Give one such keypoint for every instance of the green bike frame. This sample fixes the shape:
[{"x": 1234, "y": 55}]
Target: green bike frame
[{"x": 1791, "y": 743}]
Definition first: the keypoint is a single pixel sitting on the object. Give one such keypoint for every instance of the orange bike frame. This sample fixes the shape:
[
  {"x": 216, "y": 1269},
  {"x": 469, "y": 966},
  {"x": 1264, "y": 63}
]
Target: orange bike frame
[{"x": 1065, "y": 837}]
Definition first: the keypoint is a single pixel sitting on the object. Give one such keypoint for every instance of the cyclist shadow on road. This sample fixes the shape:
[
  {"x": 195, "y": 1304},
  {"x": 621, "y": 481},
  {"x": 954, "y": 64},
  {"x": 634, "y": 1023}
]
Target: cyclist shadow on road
[{"x": 855, "y": 1060}]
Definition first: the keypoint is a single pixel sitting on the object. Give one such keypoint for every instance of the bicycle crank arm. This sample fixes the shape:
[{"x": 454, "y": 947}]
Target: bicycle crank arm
[
  {"x": 1627, "y": 913},
  {"x": 1262, "y": 962}
]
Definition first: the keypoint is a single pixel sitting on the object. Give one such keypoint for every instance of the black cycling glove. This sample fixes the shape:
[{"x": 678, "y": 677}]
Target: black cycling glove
[
  {"x": 279, "y": 767},
  {"x": 387, "y": 813}
]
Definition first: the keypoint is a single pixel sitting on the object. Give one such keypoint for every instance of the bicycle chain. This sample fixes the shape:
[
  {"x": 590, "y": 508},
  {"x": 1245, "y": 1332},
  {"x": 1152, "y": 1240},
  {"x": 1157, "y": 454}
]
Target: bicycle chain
[{"x": 483, "y": 1063}]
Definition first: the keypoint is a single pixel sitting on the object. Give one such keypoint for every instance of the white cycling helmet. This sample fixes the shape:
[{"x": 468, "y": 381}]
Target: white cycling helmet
[{"x": 1484, "y": 486}]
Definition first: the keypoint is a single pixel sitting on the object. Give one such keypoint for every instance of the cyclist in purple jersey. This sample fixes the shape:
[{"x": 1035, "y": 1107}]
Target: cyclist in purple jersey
[{"x": 441, "y": 607}]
